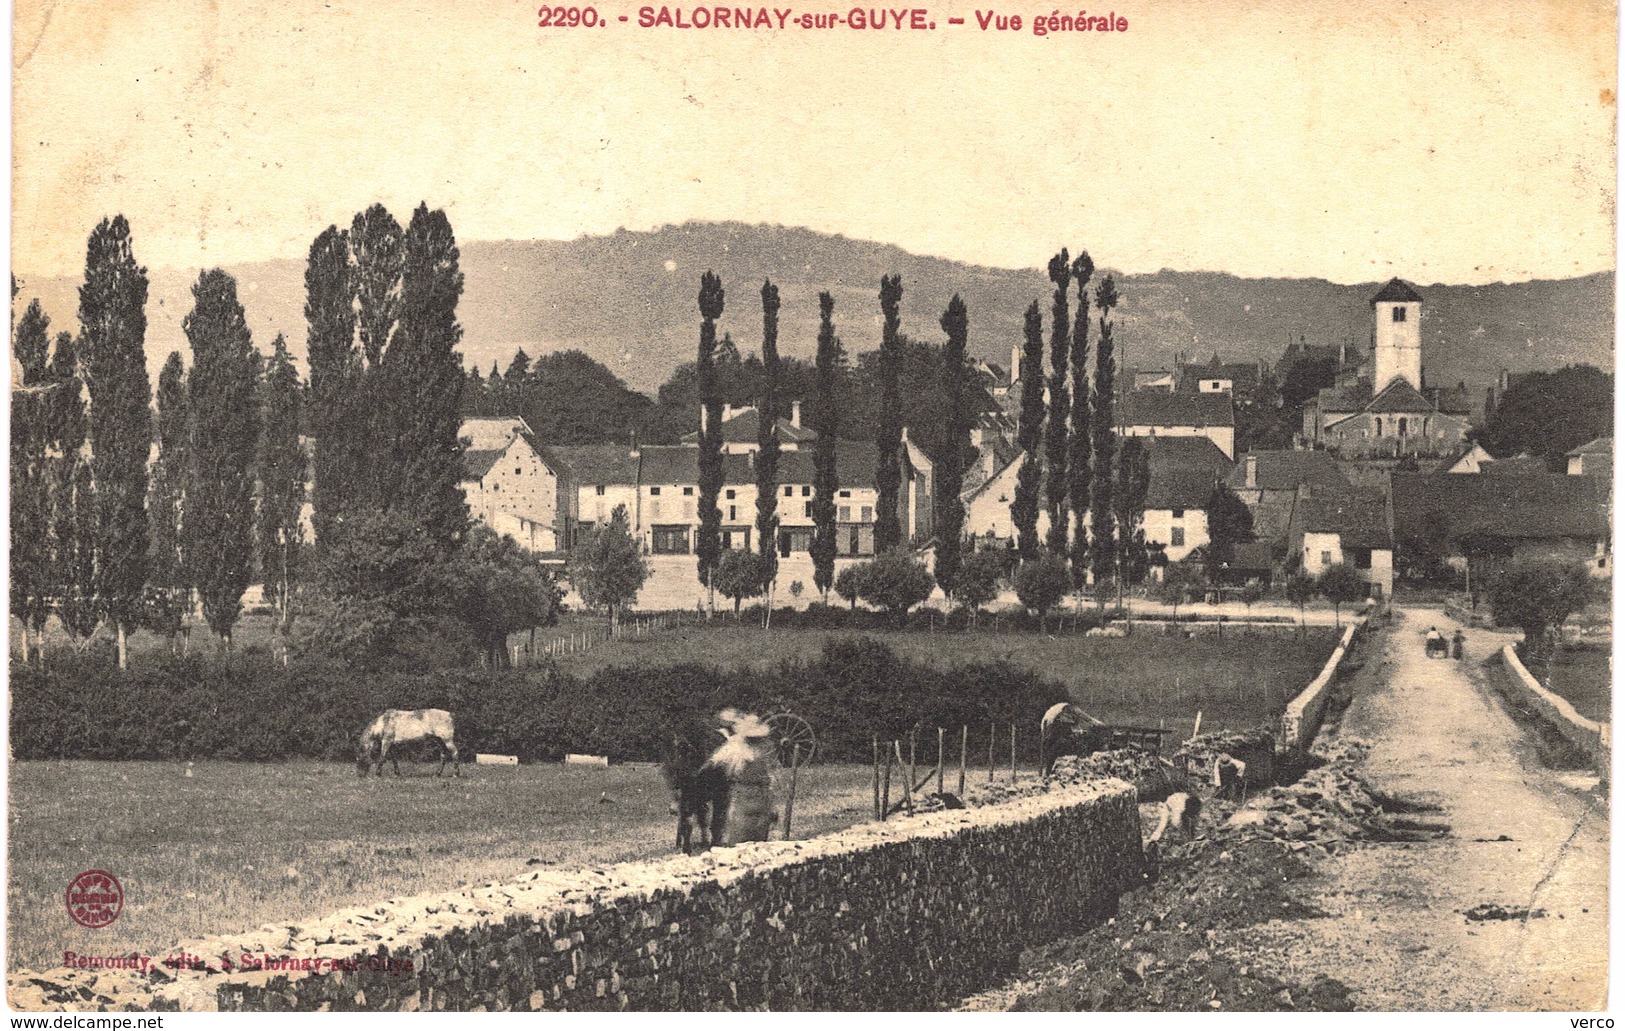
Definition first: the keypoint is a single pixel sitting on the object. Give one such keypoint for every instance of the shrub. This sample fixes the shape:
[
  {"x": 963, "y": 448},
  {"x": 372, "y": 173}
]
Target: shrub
[
  {"x": 1537, "y": 596},
  {"x": 1041, "y": 584},
  {"x": 895, "y": 582}
]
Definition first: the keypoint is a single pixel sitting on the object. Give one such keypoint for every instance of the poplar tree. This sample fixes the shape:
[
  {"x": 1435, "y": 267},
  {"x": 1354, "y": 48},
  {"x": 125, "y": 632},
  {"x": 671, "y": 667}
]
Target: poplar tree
[
  {"x": 335, "y": 381},
  {"x": 168, "y": 586},
  {"x": 951, "y": 465},
  {"x": 217, "y": 532},
  {"x": 708, "y": 548},
  {"x": 1060, "y": 401},
  {"x": 72, "y": 496},
  {"x": 377, "y": 252},
  {"x": 825, "y": 478},
  {"x": 1029, "y": 435},
  {"x": 767, "y": 441},
  {"x": 1103, "y": 548},
  {"x": 1078, "y": 458},
  {"x": 423, "y": 379},
  {"x": 30, "y": 586},
  {"x": 281, "y": 478},
  {"x": 888, "y": 420},
  {"x": 112, "y": 355},
  {"x": 1133, "y": 481}
]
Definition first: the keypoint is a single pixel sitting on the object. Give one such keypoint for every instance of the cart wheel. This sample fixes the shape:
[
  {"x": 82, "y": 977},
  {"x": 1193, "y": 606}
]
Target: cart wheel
[{"x": 791, "y": 730}]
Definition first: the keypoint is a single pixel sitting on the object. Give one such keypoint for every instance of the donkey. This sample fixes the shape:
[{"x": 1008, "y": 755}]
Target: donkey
[
  {"x": 397, "y": 727},
  {"x": 699, "y": 794}
]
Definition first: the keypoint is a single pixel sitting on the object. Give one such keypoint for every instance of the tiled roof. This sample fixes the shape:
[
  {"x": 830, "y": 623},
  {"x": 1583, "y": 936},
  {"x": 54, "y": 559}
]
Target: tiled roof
[
  {"x": 1396, "y": 291},
  {"x": 1160, "y": 408},
  {"x": 1523, "y": 465},
  {"x": 1399, "y": 397},
  {"x": 1179, "y": 487},
  {"x": 1284, "y": 470},
  {"x": 599, "y": 464},
  {"x": 742, "y": 429},
  {"x": 1352, "y": 398},
  {"x": 1243, "y": 376},
  {"x": 1185, "y": 453},
  {"x": 477, "y": 463},
  {"x": 1600, "y": 446},
  {"x": 1251, "y": 555},
  {"x": 1539, "y": 507},
  {"x": 1358, "y": 515}
]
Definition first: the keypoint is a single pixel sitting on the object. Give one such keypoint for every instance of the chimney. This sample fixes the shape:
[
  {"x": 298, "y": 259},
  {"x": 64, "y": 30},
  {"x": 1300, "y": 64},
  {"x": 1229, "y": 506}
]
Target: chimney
[
  {"x": 727, "y": 412},
  {"x": 702, "y": 419},
  {"x": 1015, "y": 363},
  {"x": 795, "y": 414},
  {"x": 636, "y": 450},
  {"x": 1506, "y": 380},
  {"x": 1252, "y": 470}
]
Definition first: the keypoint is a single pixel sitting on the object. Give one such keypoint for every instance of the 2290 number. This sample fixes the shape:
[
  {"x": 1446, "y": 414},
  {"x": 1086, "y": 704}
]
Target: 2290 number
[{"x": 567, "y": 17}]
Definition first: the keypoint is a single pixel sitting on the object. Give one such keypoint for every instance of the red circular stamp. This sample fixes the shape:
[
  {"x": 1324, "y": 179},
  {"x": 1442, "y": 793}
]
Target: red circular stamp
[{"x": 95, "y": 898}]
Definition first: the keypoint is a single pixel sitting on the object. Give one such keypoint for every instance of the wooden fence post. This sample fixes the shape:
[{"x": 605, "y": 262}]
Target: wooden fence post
[
  {"x": 992, "y": 732},
  {"x": 1012, "y": 753},
  {"x": 790, "y": 803},
  {"x": 908, "y": 778},
  {"x": 874, "y": 769},
  {"x": 940, "y": 770},
  {"x": 964, "y": 747},
  {"x": 885, "y": 787},
  {"x": 913, "y": 776}
]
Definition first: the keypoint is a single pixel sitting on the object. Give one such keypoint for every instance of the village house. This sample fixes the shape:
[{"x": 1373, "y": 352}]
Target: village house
[
  {"x": 1489, "y": 520},
  {"x": 1267, "y": 481},
  {"x": 1184, "y": 471},
  {"x": 1349, "y": 525},
  {"x": 1466, "y": 460},
  {"x": 514, "y": 484},
  {"x": 1386, "y": 411},
  {"x": 741, "y": 427},
  {"x": 1216, "y": 377},
  {"x": 1593, "y": 459},
  {"x": 1157, "y": 413}
]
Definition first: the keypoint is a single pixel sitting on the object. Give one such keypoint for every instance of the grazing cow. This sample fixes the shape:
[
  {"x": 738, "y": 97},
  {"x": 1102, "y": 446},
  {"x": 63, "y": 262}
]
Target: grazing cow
[
  {"x": 398, "y": 727},
  {"x": 699, "y": 793},
  {"x": 747, "y": 757}
]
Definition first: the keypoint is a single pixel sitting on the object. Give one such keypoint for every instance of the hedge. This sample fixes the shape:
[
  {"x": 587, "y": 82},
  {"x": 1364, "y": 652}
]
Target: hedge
[{"x": 248, "y": 708}]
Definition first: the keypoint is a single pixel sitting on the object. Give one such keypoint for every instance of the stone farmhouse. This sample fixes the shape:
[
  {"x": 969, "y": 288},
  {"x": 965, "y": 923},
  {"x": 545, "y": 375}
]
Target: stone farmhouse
[
  {"x": 513, "y": 483},
  {"x": 1488, "y": 520},
  {"x": 1159, "y": 413}
]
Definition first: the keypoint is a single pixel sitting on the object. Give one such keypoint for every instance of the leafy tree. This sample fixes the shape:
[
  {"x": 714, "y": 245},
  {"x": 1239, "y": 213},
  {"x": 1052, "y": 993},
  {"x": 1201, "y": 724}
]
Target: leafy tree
[
  {"x": 1030, "y": 434},
  {"x": 797, "y": 588},
  {"x": 31, "y": 571},
  {"x": 1042, "y": 583},
  {"x": 1180, "y": 583},
  {"x": 506, "y": 590},
  {"x": 223, "y": 404},
  {"x": 169, "y": 586},
  {"x": 826, "y": 480},
  {"x": 1538, "y": 596},
  {"x": 1080, "y": 444},
  {"x": 978, "y": 581},
  {"x": 1103, "y": 548},
  {"x": 423, "y": 373},
  {"x": 889, "y": 425},
  {"x": 708, "y": 545},
  {"x": 1133, "y": 482},
  {"x": 1300, "y": 587},
  {"x": 606, "y": 568},
  {"x": 767, "y": 441},
  {"x": 950, "y": 509},
  {"x": 518, "y": 369},
  {"x": 1057, "y": 448},
  {"x": 568, "y": 397},
  {"x": 1262, "y": 421},
  {"x": 112, "y": 353},
  {"x": 1252, "y": 593},
  {"x": 1341, "y": 585},
  {"x": 893, "y": 581},
  {"x": 849, "y": 585},
  {"x": 741, "y": 575},
  {"x": 1229, "y": 522},
  {"x": 336, "y": 420},
  {"x": 1305, "y": 376},
  {"x": 281, "y": 475},
  {"x": 1551, "y": 413}
]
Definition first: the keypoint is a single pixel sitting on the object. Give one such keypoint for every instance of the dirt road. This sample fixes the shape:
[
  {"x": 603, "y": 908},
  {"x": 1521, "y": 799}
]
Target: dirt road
[{"x": 1524, "y": 838}]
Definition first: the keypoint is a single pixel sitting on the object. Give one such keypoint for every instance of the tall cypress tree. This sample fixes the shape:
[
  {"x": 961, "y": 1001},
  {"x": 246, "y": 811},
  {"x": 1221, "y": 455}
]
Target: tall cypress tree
[
  {"x": 708, "y": 549},
  {"x": 424, "y": 383},
  {"x": 1103, "y": 547},
  {"x": 1133, "y": 480},
  {"x": 335, "y": 374},
  {"x": 30, "y": 490},
  {"x": 217, "y": 532},
  {"x": 1078, "y": 467},
  {"x": 825, "y": 476},
  {"x": 767, "y": 435},
  {"x": 112, "y": 354},
  {"x": 168, "y": 585},
  {"x": 889, "y": 419},
  {"x": 1030, "y": 435},
  {"x": 1060, "y": 402},
  {"x": 375, "y": 406},
  {"x": 282, "y": 482},
  {"x": 951, "y": 465}
]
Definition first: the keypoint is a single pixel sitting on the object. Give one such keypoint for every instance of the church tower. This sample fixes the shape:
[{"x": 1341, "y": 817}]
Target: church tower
[{"x": 1397, "y": 335}]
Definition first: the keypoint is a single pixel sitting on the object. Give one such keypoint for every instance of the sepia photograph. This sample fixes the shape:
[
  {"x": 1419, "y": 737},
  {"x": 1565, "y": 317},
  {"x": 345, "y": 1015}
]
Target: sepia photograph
[{"x": 655, "y": 507}]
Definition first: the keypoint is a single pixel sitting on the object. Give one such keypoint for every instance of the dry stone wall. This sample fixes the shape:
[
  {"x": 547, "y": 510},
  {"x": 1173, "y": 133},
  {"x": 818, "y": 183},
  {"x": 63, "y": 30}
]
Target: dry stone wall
[
  {"x": 1301, "y": 720},
  {"x": 1593, "y": 738},
  {"x": 908, "y": 914}
]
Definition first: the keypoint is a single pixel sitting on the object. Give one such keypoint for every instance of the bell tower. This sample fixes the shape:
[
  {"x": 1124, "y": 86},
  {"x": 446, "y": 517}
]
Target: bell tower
[{"x": 1396, "y": 336}]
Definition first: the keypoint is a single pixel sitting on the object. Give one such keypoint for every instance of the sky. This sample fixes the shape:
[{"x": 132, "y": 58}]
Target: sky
[{"x": 1443, "y": 140}]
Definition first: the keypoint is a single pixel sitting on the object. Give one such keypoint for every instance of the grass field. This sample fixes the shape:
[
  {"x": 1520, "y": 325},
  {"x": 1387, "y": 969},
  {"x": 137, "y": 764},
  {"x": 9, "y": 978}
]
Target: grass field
[
  {"x": 235, "y": 846},
  {"x": 1583, "y": 674},
  {"x": 1243, "y": 680}
]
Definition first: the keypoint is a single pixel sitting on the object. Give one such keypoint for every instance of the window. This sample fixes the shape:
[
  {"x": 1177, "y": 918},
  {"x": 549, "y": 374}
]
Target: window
[
  {"x": 654, "y": 492},
  {"x": 868, "y": 515},
  {"x": 1325, "y": 558},
  {"x": 733, "y": 512},
  {"x": 1399, "y": 313},
  {"x": 846, "y": 494},
  {"x": 654, "y": 510},
  {"x": 1401, "y": 425},
  {"x": 730, "y": 495},
  {"x": 806, "y": 492},
  {"x": 1179, "y": 513},
  {"x": 789, "y": 491},
  {"x": 671, "y": 540},
  {"x": 688, "y": 492},
  {"x": 599, "y": 490},
  {"x": 844, "y": 513},
  {"x": 518, "y": 471},
  {"x": 1362, "y": 558},
  {"x": 1176, "y": 537},
  {"x": 808, "y": 512}
]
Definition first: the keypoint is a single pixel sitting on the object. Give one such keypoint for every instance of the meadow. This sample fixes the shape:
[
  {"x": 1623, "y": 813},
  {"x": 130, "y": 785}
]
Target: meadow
[{"x": 1583, "y": 674}]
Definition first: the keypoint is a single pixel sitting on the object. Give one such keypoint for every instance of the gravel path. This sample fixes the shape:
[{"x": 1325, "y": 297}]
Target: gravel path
[{"x": 1397, "y": 933}]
